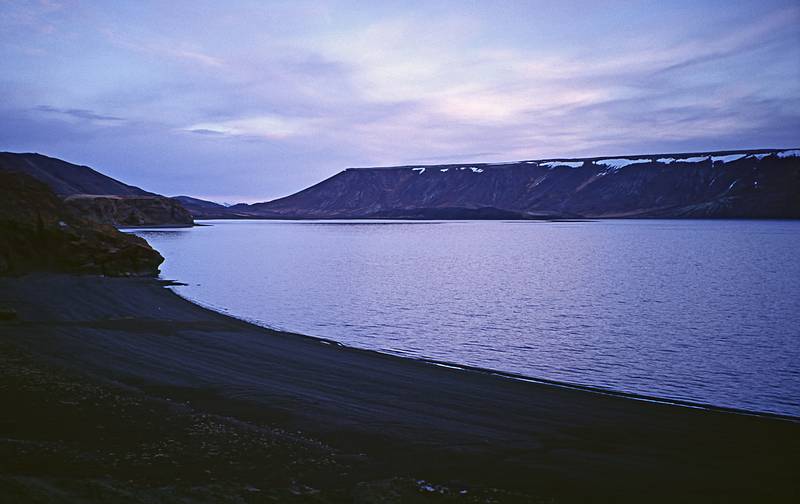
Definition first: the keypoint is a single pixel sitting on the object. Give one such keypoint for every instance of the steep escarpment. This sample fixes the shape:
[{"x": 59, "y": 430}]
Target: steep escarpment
[
  {"x": 39, "y": 232},
  {"x": 742, "y": 184},
  {"x": 97, "y": 196},
  {"x": 125, "y": 211}
]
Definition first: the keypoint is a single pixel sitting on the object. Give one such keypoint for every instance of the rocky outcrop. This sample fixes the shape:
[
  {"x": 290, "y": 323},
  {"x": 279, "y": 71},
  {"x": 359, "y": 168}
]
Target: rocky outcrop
[
  {"x": 131, "y": 211},
  {"x": 743, "y": 184},
  {"x": 97, "y": 196},
  {"x": 39, "y": 232}
]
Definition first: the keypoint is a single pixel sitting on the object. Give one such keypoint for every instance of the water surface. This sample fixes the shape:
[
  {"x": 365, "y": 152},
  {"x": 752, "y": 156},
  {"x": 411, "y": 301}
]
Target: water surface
[{"x": 704, "y": 311}]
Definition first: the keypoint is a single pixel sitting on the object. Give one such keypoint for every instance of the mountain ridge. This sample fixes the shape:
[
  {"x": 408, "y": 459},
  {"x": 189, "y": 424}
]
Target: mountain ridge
[
  {"x": 589, "y": 158},
  {"x": 65, "y": 178},
  {"x": 752, "y": 183},
  {"x": 744, "y": 183},
  {"x": 95, "y": 195}
]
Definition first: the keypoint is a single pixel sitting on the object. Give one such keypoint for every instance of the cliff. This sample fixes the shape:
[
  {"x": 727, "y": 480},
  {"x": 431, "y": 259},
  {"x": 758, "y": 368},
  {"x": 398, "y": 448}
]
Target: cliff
[
  {"x": 124, "y": 211},
  {"x": 741, "y": 184},
  {"x": 39, "y": 232},
  {"x": 97, "y": 196}
]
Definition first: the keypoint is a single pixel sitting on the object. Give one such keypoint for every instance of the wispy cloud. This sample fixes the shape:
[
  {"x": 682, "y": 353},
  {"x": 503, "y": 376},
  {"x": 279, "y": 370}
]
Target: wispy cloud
[
  {"x": 79, "y": 113},
  {"x": 302, "y": 89},
  {"x": 519, "y": 103},
  {"x": 265, "y": 126},
  {"x": 203, "y": 131},
  {"x": 34, "y": 15},
  {"x": 159, "y": 46}
]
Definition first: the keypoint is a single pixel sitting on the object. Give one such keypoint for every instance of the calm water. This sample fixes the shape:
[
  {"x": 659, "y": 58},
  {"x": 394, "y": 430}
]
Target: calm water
[{"x": 706, "y": 311}]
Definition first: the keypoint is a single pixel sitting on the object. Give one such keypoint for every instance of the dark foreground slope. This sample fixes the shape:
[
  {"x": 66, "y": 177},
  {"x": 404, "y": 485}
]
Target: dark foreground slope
[
  {"x": 754, "y": 184},
  {"x": 39, "y": 232},
  {"x": 253, "y": 415},
  {"x": 97, "y": 196}
]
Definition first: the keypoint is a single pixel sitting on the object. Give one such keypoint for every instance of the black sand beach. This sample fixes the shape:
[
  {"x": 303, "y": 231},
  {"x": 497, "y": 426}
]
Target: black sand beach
[{"x": 120, "y": 390}]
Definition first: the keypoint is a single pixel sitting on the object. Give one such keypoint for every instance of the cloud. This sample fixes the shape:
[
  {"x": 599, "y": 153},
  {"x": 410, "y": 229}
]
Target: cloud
[
  {"x": 188, "y": 54},
  {"x": 455, "y": 94},
  {"x": 202, "y": 131},
  {"x": 162, "y": 47},
  {"x": 35, "y": 16},
  {"x": 301, "y": 96},
  {"x": 265, "y": 126},
  {"x": 79, "y": 113},
  {"x": 456, "y": 157}
]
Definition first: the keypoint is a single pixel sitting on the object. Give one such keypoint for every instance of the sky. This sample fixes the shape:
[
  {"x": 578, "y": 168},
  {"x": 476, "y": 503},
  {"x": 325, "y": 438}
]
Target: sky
[{"x": 252, "y": 100}]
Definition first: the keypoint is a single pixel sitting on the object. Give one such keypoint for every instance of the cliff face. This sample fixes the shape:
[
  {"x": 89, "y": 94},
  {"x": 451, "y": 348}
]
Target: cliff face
[
  {"x": 97, "y": 196},
  {"x": 124, "y": 211},
  {"x": 39, "y": 232},
  {"x": 757, "y": 184}
]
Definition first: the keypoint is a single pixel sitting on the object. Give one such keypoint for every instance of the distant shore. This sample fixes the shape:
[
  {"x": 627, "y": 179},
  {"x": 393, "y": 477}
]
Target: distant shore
[{"x": 137, "y": 365}]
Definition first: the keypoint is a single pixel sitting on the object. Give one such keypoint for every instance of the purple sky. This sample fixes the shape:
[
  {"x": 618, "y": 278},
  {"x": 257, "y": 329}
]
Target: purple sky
[{"x": 252, "y": 100}]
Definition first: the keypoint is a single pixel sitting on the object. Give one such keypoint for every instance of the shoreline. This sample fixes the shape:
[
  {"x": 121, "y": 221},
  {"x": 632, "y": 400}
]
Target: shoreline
[
  {"x": 409, "y": 418},
  {"x": 509, "y": 375}
]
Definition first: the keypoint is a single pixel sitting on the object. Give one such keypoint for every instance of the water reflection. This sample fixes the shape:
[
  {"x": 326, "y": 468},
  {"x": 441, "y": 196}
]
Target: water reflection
[{"x": 706, "y": 311}]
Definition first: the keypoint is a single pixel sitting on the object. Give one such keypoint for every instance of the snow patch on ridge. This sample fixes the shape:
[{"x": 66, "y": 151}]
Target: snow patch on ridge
[
  {"x": 571, "y": 164},
  {"x": 695, "y": 159},
  {"x": 727, "y": 159},
  {"x": 616, "y": 164}
]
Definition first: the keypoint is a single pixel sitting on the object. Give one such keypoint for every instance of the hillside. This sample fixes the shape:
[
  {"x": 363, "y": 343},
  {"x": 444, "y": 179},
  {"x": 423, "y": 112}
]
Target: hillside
[
  {"x": 731, "y": 184},
  {"x": 131, "y": 211},
  {"x": 39, "y": 232},
  {"x": 66, "y": 179},
  {"x": 97, "y": 196}
]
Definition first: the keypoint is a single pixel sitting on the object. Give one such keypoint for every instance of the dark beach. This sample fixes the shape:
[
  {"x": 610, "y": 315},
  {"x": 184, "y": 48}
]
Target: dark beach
[{"x": 120, "y": 390}]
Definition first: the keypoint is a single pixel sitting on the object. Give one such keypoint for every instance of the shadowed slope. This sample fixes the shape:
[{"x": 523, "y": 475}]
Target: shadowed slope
[
  {"x": 66, "y": 178},
  {"x": 407, "y": 418},
  {"x": 97, "y": 196},
  {"x": 38, "y": 231},
  {"x": 757, "y": 184}
]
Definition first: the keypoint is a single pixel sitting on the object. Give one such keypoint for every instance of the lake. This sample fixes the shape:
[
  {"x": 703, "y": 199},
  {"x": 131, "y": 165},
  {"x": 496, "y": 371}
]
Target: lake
[{"x": 701, "y": 311}]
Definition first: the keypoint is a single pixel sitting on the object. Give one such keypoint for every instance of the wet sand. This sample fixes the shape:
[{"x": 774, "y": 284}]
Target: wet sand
[{"x": 384, "y": 426}]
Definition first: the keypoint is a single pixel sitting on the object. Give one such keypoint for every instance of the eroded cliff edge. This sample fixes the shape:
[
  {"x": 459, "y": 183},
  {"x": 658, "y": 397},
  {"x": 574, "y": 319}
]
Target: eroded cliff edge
[
  {"x": 38, "y": 231},
  {"x": 753, "y": 184},
  {"x": 96, "y": 196}
]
